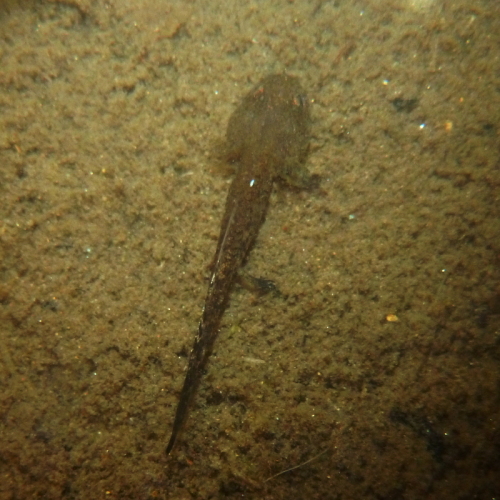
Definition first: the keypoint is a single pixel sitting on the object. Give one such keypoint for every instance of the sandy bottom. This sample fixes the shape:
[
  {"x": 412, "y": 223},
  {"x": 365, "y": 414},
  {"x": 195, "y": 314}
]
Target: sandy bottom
[{"x": 376, "y": 373}]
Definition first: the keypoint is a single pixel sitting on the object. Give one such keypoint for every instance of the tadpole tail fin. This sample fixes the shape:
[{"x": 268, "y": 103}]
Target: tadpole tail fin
[
  {"x": 221, "y": 283},
  {"x": 201, "y": 350}
]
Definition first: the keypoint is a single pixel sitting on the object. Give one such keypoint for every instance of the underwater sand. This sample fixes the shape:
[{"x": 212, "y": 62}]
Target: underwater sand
[{"x": 380, "y": 361}]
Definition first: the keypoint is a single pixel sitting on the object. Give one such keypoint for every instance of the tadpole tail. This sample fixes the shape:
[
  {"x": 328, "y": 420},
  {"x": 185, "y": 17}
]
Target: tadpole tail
[
  {"x": 219, "y": 289},
  {"x": 197, "y": 360}
]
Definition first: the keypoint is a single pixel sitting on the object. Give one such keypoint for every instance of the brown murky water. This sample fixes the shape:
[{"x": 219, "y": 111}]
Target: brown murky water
[{"x": 379, "y": 361}]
